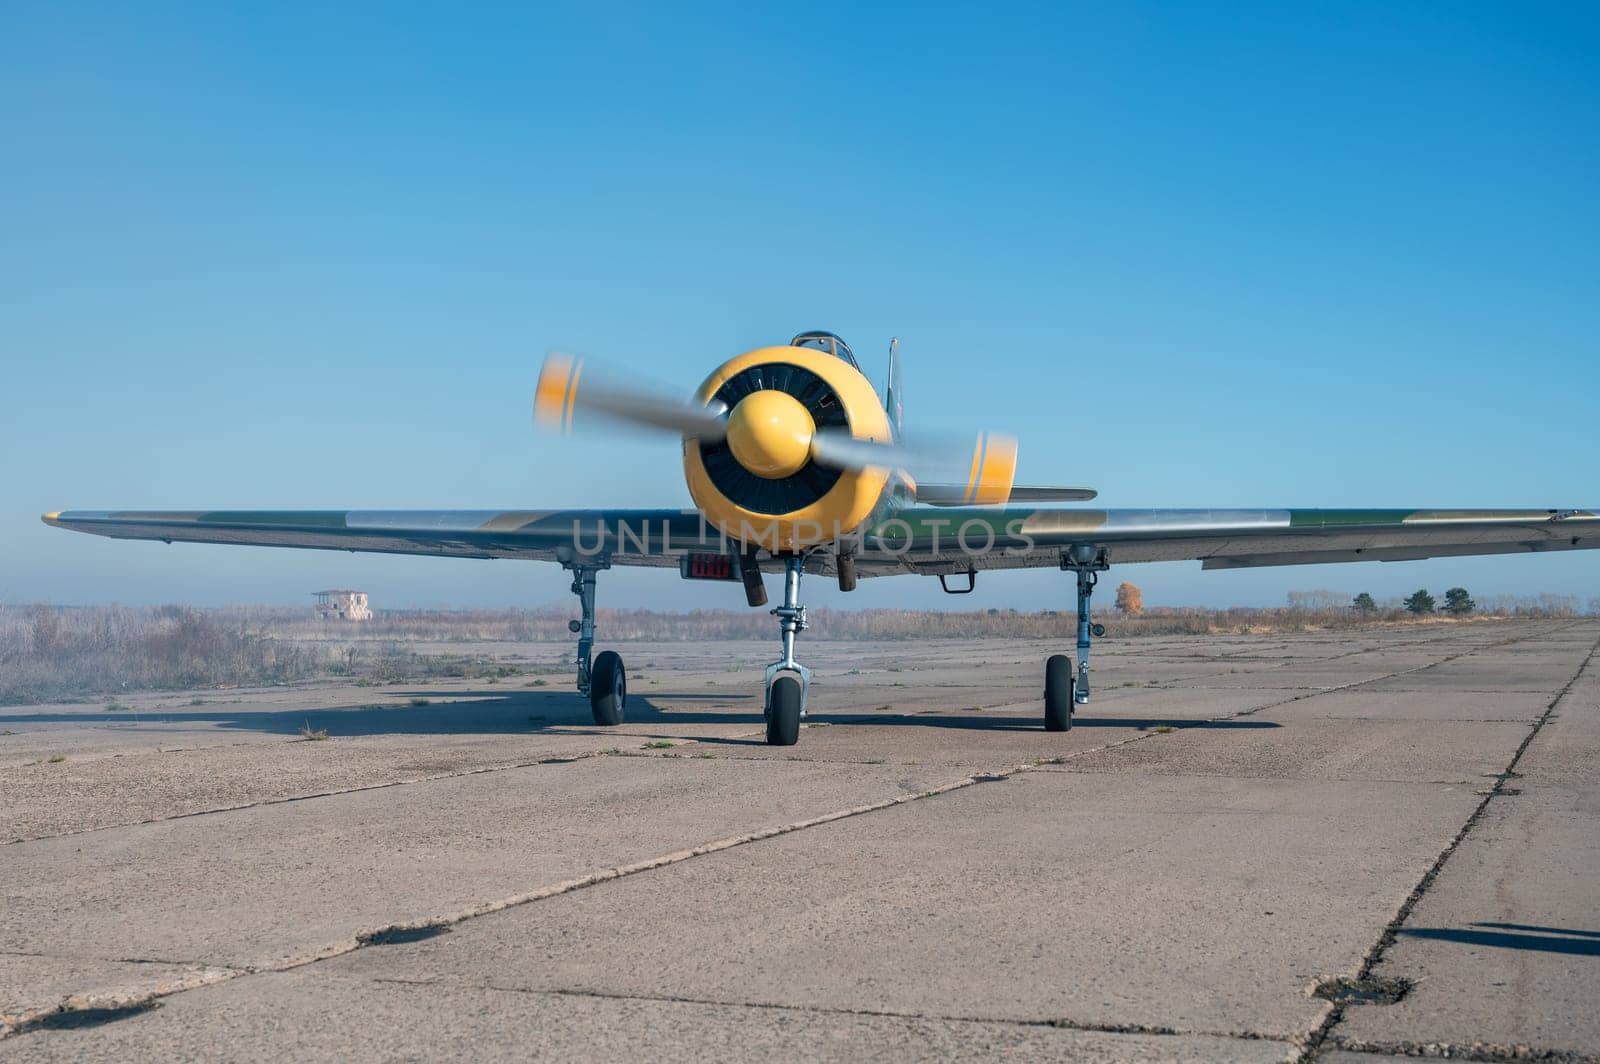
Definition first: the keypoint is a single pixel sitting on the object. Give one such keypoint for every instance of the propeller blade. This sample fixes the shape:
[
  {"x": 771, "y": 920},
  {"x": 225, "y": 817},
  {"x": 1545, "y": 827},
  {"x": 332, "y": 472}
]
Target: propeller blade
[
  {"x": 569, "y": 387},
  {"x": 987, "y": 466},
  {"x": 839, "y": 449}
]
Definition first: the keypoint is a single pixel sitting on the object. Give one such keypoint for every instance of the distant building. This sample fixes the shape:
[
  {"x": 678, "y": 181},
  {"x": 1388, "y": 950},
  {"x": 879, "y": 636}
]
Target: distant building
[{"x": 341, "y": 605}]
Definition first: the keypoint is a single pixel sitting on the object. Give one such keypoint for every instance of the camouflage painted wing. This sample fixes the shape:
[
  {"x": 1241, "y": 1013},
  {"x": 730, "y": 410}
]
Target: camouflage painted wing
[
  {"x": 629, "y": 537},
  {"x": 916, "y": 539},
  {"x": 926, "y": 540}
]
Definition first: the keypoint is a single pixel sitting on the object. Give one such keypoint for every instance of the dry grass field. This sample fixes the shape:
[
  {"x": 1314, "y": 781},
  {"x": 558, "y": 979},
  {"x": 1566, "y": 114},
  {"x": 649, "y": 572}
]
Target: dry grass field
[{"x": 51, "y": 653}]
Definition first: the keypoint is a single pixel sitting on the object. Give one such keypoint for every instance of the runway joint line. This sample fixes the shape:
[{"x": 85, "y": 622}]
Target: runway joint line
[{"x": 1325, "y": 1031}]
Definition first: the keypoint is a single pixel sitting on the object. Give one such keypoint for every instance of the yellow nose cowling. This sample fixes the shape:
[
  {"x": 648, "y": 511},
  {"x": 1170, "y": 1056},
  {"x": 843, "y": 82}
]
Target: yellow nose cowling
[{"x": 769, "y": 433}]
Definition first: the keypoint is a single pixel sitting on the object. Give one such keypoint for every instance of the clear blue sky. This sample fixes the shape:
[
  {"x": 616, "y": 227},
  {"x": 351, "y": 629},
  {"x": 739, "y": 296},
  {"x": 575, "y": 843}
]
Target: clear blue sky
[{"x": 290, "y": 255}]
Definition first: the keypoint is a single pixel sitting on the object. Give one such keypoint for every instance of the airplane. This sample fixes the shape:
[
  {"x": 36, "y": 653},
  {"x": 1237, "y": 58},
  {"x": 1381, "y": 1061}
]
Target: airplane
[{"x": 795, "y": 464}]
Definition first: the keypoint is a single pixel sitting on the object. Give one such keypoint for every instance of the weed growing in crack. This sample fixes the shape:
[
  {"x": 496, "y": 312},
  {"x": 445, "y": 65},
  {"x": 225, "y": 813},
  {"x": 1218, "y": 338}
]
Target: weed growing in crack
[
  {"x": 69, "y": 1017},
  {"x": 1373, "y": 990},
  {"x": 394, "y": 936}
]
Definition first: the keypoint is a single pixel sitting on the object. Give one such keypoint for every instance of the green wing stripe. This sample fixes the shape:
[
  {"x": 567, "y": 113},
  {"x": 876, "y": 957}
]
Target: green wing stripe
[
  {"x": 275, "y": 518},
  {"x": 1342, "y": 518}
]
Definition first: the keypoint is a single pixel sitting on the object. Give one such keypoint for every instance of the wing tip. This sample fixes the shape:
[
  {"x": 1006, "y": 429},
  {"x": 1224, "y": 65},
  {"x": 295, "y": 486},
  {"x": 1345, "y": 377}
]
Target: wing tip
[{"x": 52, "y": 518}]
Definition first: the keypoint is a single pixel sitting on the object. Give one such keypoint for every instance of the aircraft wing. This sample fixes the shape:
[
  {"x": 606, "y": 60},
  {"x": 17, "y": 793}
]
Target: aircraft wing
[
  {"x": 917, "y": 539},
  {"x": 929, "y": 540},
  {"x": 543, "y": 535}
]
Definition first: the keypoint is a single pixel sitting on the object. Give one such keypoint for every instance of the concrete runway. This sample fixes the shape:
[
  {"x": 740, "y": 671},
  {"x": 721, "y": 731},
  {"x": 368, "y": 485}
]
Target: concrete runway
[{"x": 1233, "y": 822}]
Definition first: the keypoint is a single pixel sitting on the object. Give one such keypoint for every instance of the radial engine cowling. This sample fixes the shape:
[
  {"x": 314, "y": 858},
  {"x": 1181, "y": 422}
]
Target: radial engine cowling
[{"x": 759, "y": 484}]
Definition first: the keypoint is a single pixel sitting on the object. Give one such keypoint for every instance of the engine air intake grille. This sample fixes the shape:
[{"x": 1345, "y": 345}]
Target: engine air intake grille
[{"x": 811, "y": 482}]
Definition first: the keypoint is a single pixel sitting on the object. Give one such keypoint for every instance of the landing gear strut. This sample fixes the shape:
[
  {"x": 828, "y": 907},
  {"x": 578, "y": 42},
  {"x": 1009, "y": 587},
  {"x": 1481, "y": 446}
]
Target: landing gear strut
[
  {"x": 788, "y": 682},
  {"x": 604, "y": 680},
  {"x": 1061, "y": 694}
]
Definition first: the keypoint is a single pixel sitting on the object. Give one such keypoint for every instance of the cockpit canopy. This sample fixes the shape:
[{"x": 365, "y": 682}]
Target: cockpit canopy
[{"x": 826, "y": 341}]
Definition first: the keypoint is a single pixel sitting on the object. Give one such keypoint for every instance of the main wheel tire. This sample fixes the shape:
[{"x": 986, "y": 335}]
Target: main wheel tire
[
  {"x": 783, "y": 711},
  {"x": 608, "y": 688},
  {"x": 1058, "y": 693}
]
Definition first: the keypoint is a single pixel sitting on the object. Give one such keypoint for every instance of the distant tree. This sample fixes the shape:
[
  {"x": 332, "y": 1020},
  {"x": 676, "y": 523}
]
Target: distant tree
[
  {"x": 1594, "y": 606},
  {"x": 1364, "y": 603},
  {"x": 1419, "y": 602},
  {"x": 1130, "y": 600},
  {"x": 1458, "y": 602}
]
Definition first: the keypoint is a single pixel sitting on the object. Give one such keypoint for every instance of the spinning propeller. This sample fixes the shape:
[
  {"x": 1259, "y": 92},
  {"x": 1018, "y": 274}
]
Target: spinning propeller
[{"x": 782, "y": 423}]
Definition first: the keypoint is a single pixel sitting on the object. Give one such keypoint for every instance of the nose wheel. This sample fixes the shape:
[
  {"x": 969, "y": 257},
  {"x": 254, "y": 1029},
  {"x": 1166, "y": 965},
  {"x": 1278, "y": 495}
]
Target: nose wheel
[{"x": 786, "y": 700}]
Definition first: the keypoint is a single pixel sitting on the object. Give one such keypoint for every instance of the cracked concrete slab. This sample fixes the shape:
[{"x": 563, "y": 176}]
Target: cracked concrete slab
[
  {"x": 1315, "y": 677},
  {"x": 1514, "y": 676},
  {"x": 1365, "y": 703},
  {"x": 1196, "y": 881},
  {"x": 1039, "y": 900},
  {"x": 34, "y": 982},
  {"x": 1505, "y": 946},
  {"x": 400, "y": 1021},
  {"x": 89, "y": 793},
  {"x": 1403, "y": 751},
  {"x": 1185, "y": 702},
  {"x": 267, "y": 884}
]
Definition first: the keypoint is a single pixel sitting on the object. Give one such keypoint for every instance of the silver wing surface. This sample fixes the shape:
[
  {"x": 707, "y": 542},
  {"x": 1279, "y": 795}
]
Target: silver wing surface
[
  {"x": 917, "y": 539},
  {"x": 928, "y": 540}
]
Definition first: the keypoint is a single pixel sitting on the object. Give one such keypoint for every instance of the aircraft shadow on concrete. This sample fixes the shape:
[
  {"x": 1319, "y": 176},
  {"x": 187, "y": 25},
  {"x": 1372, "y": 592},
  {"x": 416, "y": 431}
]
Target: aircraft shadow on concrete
[
  {"x": 492, "y": 711},
  {"x": 1514, "y": 936}
]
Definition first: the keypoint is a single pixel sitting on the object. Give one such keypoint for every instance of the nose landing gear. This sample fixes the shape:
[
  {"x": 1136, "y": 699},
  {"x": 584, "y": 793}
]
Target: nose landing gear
[{"x": 788, "y": 682}]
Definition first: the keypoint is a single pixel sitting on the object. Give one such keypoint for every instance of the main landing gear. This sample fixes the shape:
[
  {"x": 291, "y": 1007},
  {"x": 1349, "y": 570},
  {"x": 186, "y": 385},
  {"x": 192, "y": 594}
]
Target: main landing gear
[
  {"x": 604, "y": 680},
  {"x": 787, "y": 680},
  {"x": 1061, "y": 694}
]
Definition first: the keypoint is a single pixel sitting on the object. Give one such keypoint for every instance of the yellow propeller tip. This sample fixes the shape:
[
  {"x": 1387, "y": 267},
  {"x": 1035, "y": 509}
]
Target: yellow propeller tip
[
  {"x": 557, "y": 388},
  {"x": 994, "y": 468}
]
